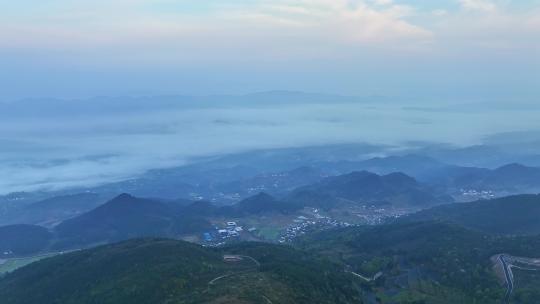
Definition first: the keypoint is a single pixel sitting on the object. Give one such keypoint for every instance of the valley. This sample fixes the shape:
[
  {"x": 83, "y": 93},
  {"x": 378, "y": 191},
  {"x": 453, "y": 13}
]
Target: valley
[
  {"x": 270, "y": 152},
  {"x": 389, "y": 237}
]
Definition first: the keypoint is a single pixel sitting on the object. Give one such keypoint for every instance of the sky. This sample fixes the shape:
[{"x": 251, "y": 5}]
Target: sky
[
  {"x": 90, "y": 91},
  {"x": 437, "y": 50}
]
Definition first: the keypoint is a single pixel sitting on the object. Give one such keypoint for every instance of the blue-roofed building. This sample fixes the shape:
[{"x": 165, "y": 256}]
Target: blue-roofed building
[{"x": 207, "y": 237}]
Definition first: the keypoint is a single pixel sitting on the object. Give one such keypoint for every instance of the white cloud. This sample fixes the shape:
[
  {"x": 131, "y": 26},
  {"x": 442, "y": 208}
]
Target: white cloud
[
  {"x": 275, "y": 28},
  {"x": 439, "y": 12},
  {"x": 383, "y": 2},
  {"x": 483, "y": 26},
  {"x": 342, "y": 21},
  {"x": 77, "y": 25},
  {"x": 60, "y": 151},
  {"x": 478, "y": 5}
]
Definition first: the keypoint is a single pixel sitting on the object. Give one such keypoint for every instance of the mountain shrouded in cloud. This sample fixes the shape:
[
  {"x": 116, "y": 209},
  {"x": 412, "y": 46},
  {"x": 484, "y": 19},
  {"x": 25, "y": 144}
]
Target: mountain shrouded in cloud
[
  {"x": 77, "y": 144},
  {"x": 452, "y": 71},
  {"x": 313, "y": 151}
]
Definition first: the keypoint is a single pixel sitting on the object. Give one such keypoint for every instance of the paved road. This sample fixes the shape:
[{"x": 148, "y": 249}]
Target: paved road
[
  {"x": 509, "y": 278},
  {"x": 220, "y": 277},
  {"x": 367, "y": 279},
  {"x": 509, "y": 262},
  {"x": 257, "y": 264},
  {"x": 250, "y": 258},
  {"x": 361, "y": 276}
]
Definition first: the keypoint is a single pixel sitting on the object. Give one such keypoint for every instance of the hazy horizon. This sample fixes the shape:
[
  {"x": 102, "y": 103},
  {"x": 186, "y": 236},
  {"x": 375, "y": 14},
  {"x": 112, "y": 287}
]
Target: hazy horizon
[
  {"x": 81, "y": 143},
  {"x": 102, "y": 90}
]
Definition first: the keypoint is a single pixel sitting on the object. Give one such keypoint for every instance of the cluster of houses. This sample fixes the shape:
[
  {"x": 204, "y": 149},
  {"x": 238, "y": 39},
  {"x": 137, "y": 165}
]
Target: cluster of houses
[
  {"x": 302, "y": 224},
  {"x": 231, "y": 230},
  {"x": 373, "y": 215},
  {"x": 477, "y": 194},
  {"x": 220, "y": 235},
  {"x": 215, "y": 197}
]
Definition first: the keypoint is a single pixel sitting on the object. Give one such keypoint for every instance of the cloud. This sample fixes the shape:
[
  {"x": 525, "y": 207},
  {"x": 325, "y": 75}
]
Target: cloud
[
  {"x": 79, "y": 25},
  {"x": 481, "y": 48},
  {"x": 478, "y": 5},
  {"x": 439, "y": 12},
  {"x": 484, "y": 26},
  {"x": 343, "y": 20},
  {"x": 121, "y": 32},
  {"x": 60, "y": 150},
  {"x": 383, "y": 2}
]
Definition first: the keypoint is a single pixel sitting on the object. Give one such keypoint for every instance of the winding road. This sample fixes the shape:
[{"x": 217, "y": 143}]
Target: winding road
[
  {"x": 375, "y": 277},
  {"x": 509, "y": 276},
  {"x": 508, "y": 262},
  {"x": 257, "y": 264}
]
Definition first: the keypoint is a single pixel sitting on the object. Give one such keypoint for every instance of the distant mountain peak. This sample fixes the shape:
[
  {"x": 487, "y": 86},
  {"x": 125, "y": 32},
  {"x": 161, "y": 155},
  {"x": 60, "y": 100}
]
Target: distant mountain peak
[
  {"x": 304, "y": 169},
  {"x": 360, "y": 174},
  {"x": 517, "y": 169},
  {"x": 400, "y": 176},
  {"x": 261, "y": 196},
  {"x": 123, "y": 197},
  {"x": 360, "y": 186},
  {"x": 512, "y": 166}
]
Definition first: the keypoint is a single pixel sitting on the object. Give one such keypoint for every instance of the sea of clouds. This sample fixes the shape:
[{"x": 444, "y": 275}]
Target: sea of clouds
[{"x": 46, "y": 145}]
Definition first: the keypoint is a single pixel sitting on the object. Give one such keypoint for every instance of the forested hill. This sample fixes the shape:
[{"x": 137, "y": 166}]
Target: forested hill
[
  {"x": 167, "y": 271},
  {"x": 519, "y": 215},
  {"x": 429, "y": 262}
]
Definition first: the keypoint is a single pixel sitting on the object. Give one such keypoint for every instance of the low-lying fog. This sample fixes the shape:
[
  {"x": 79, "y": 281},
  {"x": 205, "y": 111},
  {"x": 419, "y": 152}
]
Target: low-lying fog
[{"x": 54, "y": 144}]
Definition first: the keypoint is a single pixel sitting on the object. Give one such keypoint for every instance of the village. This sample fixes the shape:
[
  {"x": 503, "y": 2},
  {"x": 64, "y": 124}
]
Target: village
[
  {"x": 302, "y": 225},
  {"x": 473, "y": 194},
  {"x": 230, "y": 231},
  {"x": 309, "y": 220}
]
